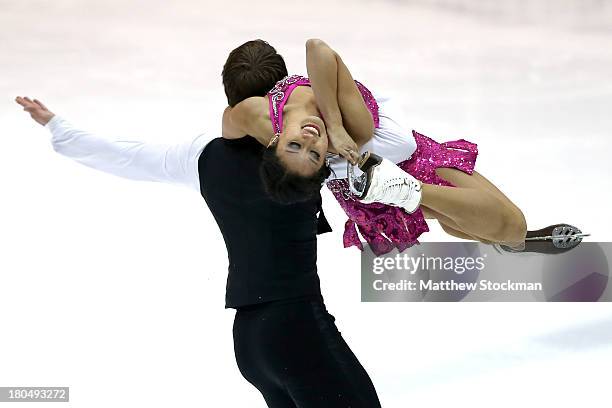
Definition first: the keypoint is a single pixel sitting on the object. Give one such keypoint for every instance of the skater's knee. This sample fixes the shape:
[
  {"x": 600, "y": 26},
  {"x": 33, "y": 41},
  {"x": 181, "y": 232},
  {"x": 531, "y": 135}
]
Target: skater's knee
[
  {"x": 455, "y": 233},
  {"x": 514, "y": 226}
]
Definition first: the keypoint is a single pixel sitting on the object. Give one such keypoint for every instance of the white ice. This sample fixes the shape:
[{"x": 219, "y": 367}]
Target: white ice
[{"x": 115, "y": 288}]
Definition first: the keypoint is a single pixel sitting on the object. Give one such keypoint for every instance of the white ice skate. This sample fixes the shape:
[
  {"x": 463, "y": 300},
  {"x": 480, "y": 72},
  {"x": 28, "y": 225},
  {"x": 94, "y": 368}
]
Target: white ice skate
[{"x": 379, "y": 180}]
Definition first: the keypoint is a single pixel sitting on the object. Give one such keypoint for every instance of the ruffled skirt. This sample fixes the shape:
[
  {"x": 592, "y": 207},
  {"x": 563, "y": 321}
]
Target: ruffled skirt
[{"x": 386, "y": 227}]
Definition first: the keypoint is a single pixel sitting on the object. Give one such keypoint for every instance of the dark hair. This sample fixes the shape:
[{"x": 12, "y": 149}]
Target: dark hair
[
  {"x": 252, "y": 70},
  {"x": 286, "y": 187}
]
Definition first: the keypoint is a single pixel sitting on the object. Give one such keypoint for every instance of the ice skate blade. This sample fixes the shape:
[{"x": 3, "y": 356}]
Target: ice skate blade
[
  {"x": 555, "y": 239},
  {"x": 582, "y": 235},
  {"x": 359, "y": 184}
]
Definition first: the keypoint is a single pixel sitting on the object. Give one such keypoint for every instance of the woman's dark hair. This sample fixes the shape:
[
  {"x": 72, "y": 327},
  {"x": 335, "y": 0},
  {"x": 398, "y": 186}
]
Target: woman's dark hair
[
  {"x": 252, "y": 70},
  {"x": 287, "y": 187}
]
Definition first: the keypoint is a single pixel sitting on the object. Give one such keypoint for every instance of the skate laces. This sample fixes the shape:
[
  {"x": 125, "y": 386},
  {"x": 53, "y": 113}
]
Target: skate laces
[{"x": 398, "y": 188}]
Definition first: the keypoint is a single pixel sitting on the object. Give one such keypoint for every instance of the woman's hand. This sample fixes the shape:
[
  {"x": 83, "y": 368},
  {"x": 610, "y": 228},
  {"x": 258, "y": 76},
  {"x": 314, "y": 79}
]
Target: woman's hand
[
  {"x": 36, "y": 109},
  {"x": 341, "y": 142}
]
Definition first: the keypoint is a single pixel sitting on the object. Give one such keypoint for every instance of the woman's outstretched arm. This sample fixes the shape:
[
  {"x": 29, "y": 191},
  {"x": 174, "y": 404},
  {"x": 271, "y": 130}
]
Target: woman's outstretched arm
[
  {"x": 336, "y": 93},
  {"x": 170, "y": 163}
]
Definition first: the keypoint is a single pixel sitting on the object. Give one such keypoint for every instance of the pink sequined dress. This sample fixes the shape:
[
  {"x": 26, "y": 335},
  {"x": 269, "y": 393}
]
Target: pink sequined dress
[{"x": 382, "y": 226}]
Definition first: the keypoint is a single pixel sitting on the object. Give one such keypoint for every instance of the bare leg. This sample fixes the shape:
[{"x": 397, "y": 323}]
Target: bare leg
[
  {"x": 477, "y": 212},
  {"x": 450, "y": 227},
  {"x": 457, "y": 233},
  {"x": 487, "y": 184},
  {"x": 476, "y": 207}
]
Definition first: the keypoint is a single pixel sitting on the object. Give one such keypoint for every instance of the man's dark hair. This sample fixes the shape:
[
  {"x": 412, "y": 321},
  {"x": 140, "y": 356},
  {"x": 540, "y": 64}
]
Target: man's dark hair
[
  {"x": 252, "y": 70},
  {"x": 286, "y": 187}
]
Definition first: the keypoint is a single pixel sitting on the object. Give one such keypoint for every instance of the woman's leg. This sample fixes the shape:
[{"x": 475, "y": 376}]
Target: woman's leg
[
  {"x": 476, "y": 207},
  {"x": 450, "y": 227}
]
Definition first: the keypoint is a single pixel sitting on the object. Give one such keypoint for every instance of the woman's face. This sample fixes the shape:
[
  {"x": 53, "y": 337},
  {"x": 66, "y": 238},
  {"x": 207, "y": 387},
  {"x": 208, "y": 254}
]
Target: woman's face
[{"x": 302, "y": 145}]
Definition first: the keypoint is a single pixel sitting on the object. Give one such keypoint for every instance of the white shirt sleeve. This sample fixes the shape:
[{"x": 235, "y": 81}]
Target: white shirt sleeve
[{"x": 169, "y": 163}]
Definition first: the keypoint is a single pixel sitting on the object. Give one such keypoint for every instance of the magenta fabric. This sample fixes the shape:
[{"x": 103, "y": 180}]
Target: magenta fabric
[
  {"x": 278, "y": 96},
  {"x": 386, "y": 227}
]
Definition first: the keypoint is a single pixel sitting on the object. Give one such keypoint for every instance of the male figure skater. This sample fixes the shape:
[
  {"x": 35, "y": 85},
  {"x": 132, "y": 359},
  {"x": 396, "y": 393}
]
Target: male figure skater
[{"x": 286, "y": 343}]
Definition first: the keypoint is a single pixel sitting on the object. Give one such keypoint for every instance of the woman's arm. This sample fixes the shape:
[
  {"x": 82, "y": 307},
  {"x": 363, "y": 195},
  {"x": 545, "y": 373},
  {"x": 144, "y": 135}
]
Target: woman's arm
[
  {"x": 249, "y": 117},
  {"x": 336, "y": 93},
  {"x": 229, "y": 129},
  {"x": 170, "y": 163}
]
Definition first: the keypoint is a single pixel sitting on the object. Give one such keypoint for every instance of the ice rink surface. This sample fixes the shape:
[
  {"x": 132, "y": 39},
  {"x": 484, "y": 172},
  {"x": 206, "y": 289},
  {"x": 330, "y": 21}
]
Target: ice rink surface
[{"x": 115, "y": 288}]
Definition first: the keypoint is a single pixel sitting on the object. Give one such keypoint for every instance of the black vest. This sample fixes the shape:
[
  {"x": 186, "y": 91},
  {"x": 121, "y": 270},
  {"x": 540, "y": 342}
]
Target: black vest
[{"x": 272, "y": 248}]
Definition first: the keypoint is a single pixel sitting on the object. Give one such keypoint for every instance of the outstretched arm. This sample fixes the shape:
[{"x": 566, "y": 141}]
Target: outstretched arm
[
  {"x": 336, "y": 93},
  {"x": 170, "y": 163}
]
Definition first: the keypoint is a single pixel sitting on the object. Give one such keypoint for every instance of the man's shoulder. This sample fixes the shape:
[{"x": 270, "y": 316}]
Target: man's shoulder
[
  {"x": 221, "y": 154},
  {"x": 232, "y": 146},
  {"x": 228, "y": 171}
]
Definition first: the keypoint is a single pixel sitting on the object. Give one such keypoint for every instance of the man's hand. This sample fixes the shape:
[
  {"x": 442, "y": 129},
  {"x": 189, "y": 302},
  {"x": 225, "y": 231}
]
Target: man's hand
[
  {"x": 36, "y": 109},
  {"x": 341, "y": 142}
]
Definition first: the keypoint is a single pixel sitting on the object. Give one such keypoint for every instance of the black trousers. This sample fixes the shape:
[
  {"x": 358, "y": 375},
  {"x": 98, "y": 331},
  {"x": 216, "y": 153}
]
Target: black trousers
[{"x": 292, "y": 352}]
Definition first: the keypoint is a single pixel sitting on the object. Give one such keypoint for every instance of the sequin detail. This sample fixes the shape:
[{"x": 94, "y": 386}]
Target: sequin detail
[
  {"x": 386, "y": 227},
  {"x": 279, "y": 94}
]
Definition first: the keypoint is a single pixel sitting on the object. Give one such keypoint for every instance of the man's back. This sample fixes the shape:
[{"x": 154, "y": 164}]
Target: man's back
[{"x": 272, "y": 248}]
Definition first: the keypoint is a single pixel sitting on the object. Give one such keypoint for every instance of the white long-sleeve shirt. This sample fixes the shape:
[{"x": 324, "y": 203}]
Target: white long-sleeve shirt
[
  {"x": 178, "y": 163},
  {"x": 136, "y": 160}
]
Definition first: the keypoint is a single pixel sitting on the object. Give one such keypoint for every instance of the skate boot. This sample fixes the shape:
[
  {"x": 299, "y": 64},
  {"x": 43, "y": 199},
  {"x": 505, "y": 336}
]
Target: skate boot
[
  {"x": 376, "y": 179},
  {"x": 553, "y": 239}
]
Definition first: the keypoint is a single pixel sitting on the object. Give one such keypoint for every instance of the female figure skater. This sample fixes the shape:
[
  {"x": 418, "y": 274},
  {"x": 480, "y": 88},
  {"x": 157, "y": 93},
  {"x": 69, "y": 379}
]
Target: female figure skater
[{"x": 301, "y": 120}]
